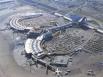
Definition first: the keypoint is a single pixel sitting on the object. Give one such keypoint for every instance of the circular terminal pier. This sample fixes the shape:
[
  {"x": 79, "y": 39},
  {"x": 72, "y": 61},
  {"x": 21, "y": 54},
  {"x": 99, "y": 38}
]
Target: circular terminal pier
[{"x": 32, "y": 21}]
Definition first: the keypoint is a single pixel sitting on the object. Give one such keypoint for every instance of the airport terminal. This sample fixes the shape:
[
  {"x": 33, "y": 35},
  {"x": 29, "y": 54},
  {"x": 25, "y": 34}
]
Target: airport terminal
[
  {"x": 39, "y": 39},
  {"x": 53, "y": 38}
]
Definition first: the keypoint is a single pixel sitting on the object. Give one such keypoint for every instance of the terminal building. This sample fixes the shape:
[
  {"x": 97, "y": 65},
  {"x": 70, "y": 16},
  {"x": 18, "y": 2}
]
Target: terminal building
[
  {"x": 60, "y": 61},
  {"x": 77, "y": 21}
]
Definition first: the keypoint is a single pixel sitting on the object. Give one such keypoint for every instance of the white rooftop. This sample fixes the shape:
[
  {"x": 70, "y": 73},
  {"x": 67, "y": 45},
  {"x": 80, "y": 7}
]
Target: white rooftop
[{"x": 28, "y": 46}]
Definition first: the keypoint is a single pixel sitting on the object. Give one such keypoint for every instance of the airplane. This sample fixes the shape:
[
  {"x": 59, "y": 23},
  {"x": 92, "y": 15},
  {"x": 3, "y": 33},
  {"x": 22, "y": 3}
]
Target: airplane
[{"x": 58, "y": 72}]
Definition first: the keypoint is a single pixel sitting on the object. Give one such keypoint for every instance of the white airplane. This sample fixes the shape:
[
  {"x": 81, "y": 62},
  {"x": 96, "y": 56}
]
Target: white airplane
[{"x": 58, "y": 72}]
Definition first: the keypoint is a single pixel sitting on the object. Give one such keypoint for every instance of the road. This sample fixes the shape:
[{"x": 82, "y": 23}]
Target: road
[{"x": 39, "y": 5}]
